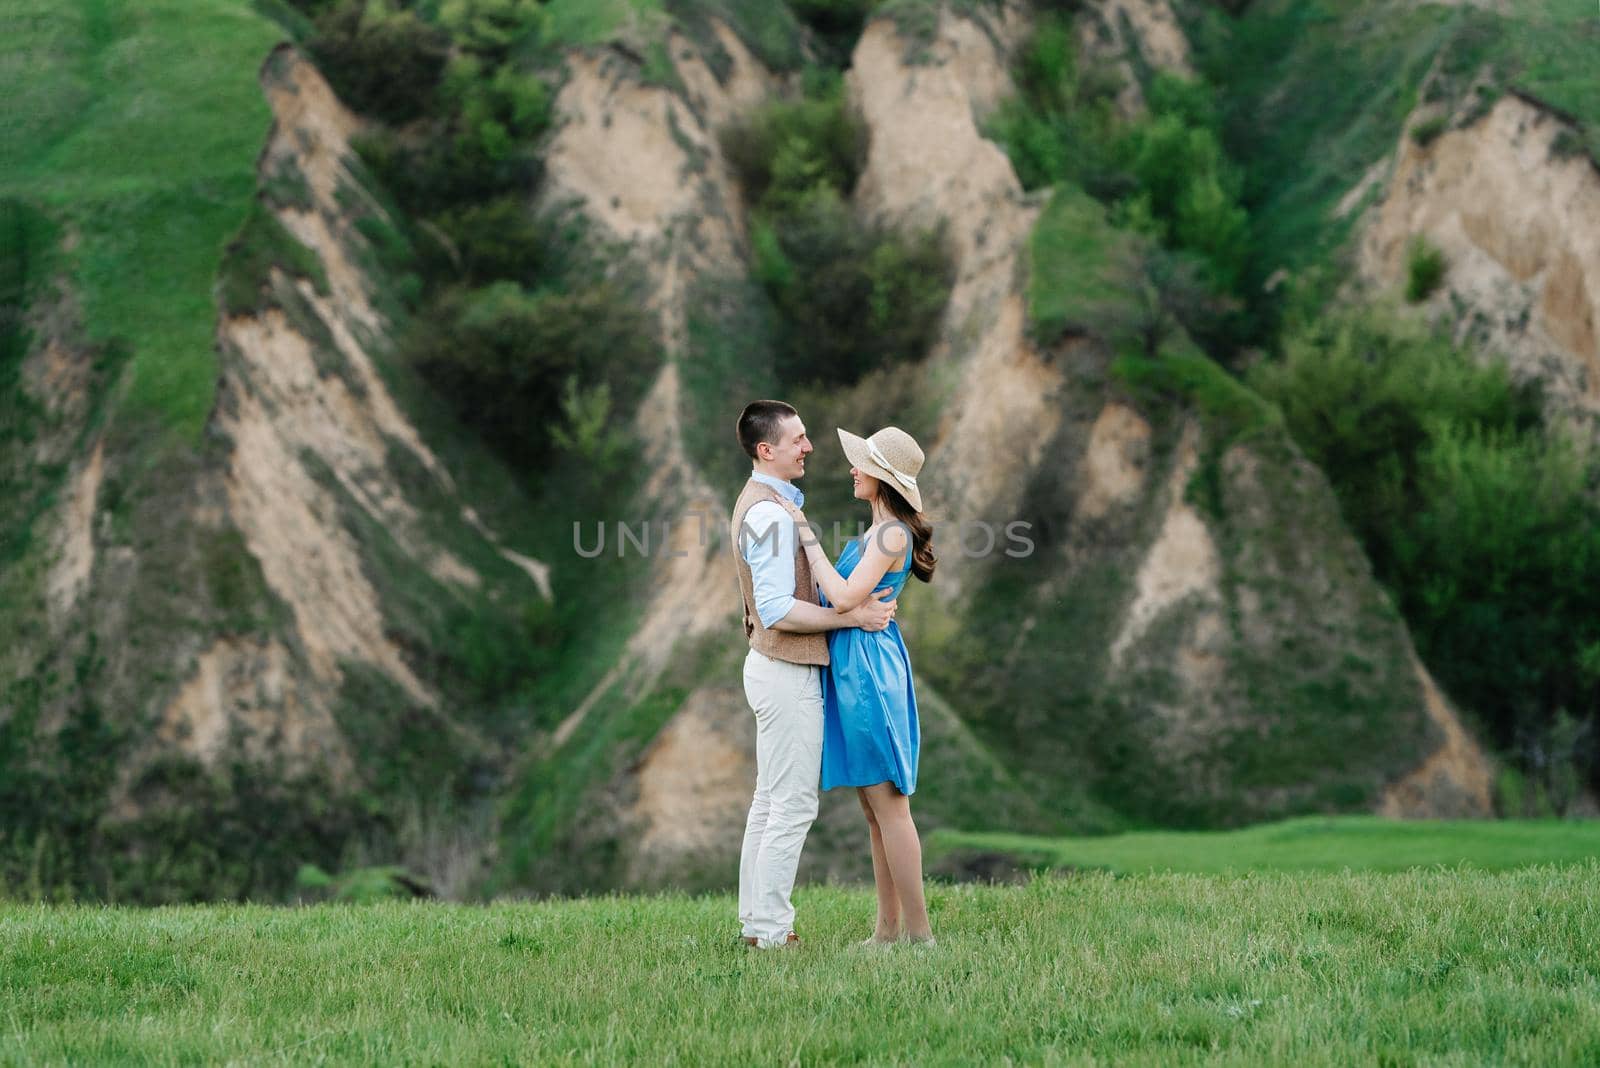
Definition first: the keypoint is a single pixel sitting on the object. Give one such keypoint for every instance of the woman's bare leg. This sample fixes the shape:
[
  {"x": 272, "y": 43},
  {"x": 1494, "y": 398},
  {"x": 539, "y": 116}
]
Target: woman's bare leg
[
  {"x": 902, "y": 851},
  {"x": 888, "y": 925}
]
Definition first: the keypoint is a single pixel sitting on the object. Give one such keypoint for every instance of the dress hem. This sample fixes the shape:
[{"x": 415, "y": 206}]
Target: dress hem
[{"x": 875, "y": 782}]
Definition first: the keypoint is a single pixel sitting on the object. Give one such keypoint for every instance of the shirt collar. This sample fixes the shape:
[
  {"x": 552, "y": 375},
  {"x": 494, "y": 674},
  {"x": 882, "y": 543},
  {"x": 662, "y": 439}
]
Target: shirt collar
[{"x": 788, "y": 489}]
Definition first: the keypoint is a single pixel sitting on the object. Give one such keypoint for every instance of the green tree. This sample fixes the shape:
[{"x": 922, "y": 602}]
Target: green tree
[
  {"x": 851, "y": 295},
  {"x": 382, "y": 58},
  {"x": 1483, "y": 522}
]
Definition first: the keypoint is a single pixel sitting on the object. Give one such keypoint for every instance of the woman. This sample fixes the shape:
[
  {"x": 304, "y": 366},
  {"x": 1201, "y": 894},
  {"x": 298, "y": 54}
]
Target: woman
[{"x": 870, "y": 736}]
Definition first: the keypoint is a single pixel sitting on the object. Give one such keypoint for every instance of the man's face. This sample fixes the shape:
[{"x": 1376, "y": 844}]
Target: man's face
[{"x": 787, "y": 458}]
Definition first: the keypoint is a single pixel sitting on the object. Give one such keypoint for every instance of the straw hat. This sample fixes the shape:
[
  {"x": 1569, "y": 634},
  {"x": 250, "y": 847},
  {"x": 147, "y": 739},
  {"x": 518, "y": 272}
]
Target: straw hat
[{"x": 891, "y": 455}]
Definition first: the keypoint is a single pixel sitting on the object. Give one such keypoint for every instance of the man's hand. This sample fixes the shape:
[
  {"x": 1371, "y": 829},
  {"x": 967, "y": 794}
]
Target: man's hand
[{"x": 874, "y": 613}]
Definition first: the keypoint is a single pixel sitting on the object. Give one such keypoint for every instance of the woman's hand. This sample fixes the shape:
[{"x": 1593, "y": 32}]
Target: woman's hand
[{"x": 803, "y": 531}]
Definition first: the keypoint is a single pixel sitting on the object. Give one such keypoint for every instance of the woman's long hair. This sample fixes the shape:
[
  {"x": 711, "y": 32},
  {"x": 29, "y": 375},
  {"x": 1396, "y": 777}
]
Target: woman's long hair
[{"x": 922, "y": 556}]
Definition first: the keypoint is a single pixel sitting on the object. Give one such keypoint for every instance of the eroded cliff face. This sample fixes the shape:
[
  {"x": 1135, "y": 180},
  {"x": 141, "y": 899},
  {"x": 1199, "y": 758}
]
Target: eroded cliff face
[
  {"x": 55, "y": 467},
  {"x": 1516, "y": 221},
  {"x": 1514, "y": 216},
  {"x": 314, "y": 431},
  {"x": 1191, "y": 626},
  {"x": 1192, "y": 597},
  {"x": 678, "y": 809},
  {"x": 1191, "y": 604},
  {"x": 282, "y": 414},
  {"x": 247, "y": 590},
  {"x": 643, "y": 164},
  {"x": 58, "y": 375},
  {"x": 928, "y": 163},
  {"x": 1120, "y": 31}
]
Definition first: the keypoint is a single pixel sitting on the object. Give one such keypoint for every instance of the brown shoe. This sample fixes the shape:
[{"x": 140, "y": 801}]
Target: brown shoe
[{"x": 792, "y": 940}]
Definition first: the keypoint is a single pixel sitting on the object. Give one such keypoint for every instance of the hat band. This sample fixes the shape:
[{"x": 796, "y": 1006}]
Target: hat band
[{"x": 883, "y": 461}]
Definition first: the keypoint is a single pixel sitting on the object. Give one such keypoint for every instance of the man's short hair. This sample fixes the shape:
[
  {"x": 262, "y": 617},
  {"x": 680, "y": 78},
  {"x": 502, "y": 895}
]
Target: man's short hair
[{"x": 760, "y": 421}]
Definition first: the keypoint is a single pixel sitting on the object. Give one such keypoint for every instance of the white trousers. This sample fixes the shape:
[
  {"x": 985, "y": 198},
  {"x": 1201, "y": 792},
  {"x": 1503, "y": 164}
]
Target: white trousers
[{"x": 787, "y": 701}]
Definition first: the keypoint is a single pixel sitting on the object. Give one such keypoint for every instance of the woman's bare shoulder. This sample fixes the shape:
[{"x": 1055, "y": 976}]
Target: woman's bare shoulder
[{"x": 892, "y": 537}]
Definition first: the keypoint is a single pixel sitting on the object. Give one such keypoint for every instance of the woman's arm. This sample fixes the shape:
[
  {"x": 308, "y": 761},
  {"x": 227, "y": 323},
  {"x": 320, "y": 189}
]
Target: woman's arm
[{"x": 879, "y": 555}]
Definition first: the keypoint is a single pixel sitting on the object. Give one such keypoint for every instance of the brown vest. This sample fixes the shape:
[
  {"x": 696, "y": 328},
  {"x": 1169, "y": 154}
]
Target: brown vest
[{"x": 778, "y": 644}]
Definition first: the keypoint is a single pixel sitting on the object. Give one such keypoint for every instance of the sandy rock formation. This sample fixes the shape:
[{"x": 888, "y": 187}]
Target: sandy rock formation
[
  {"x": 74, "y": 542},
  {"x": 1515, "y": 219},
  {"x": 1455, "y": 781},
  {"x": 683, "y": 801},
  {"x": 929, "y": 164},
  {"x": 311, "y": 427},
  {"x": 1115, "y": 461},
  {"x": 643, "y": 163},
  {"x": 1202, "y": 606},
  {"x": 928, "y": 161},
  {"x": 1113, "y": 30},
  {"x": 1517, "y": 224},
  {"x": 691, "y": 785}
]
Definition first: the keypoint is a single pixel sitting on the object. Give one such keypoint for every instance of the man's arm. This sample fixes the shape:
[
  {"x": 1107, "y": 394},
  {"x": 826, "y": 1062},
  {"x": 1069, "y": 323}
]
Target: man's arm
[
  {"x": 767, "y": 541},
  {"x": 806, "y": 618}
]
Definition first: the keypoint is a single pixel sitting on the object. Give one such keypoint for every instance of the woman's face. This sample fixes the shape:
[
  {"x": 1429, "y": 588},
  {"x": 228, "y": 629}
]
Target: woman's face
[{"x": 866, "y": 485}]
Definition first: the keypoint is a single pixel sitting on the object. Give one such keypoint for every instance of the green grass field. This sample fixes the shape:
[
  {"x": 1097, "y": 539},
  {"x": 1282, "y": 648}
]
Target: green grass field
[
  {"x": 1309, "y": 844},
  {"x": 1431, "y": 965}
]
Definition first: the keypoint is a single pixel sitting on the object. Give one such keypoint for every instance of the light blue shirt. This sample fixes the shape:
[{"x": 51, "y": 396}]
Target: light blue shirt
[{"x": 771, "y": 558}]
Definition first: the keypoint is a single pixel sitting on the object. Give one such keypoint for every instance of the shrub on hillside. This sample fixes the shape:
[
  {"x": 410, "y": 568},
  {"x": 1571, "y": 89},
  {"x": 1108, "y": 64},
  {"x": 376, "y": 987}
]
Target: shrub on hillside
[
  {"x": 381, "y": 58},
  {"x": 1482, "y": 523},
  {"x": 589, "y": 431},
  {"x": 1365, "y": 397},
  {"x": 1165, "y": 174},
  {"x": 1424, "y": 270},
  {"x": 467, "y": 68},
  {"x": 1428, "y": 130},
  {"x": 502, "y": 355},
  {"x": 492, "y": 239},
  {"x": 1566, "y": 144},
  {"x": 1062, "y": 125},
  {"x": 837, "y": 24},
  {"x": 484, "y": 144},
  {"x": 492, "y": 27},
  {"x": 1499, "y": 572},
  {"x": 1157, "y": 292},
  {"x": 497, "y": 111},
  {"x": 851, "y": 296},
  {"x": 784, "y": 151},
  {"x": 27, "y": 242},
  {"x": 1193, "y": 192}
]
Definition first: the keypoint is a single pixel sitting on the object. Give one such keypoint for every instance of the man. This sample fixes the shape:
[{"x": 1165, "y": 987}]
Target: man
[{"x": 785, "y": 624}]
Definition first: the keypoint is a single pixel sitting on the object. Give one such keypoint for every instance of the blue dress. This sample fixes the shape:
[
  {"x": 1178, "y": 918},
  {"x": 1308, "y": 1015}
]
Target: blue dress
[{"x": 869, "y": 708}]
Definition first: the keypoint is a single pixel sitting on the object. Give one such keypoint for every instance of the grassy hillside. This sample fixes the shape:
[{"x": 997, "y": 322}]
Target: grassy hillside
[
  {"x": 1312, "y": 94},
  {"x": 129, "y": 170},
  {"x": 128, "y": 159},
  {"x": 137, "y": 127},
  {"x": 1446, "y": 966},
  {"x": 1311, "y": 691}
]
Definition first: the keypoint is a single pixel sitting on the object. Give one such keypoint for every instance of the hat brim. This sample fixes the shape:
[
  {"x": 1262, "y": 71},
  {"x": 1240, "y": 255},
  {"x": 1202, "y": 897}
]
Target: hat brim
[{"x": 856, "y": 451}]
